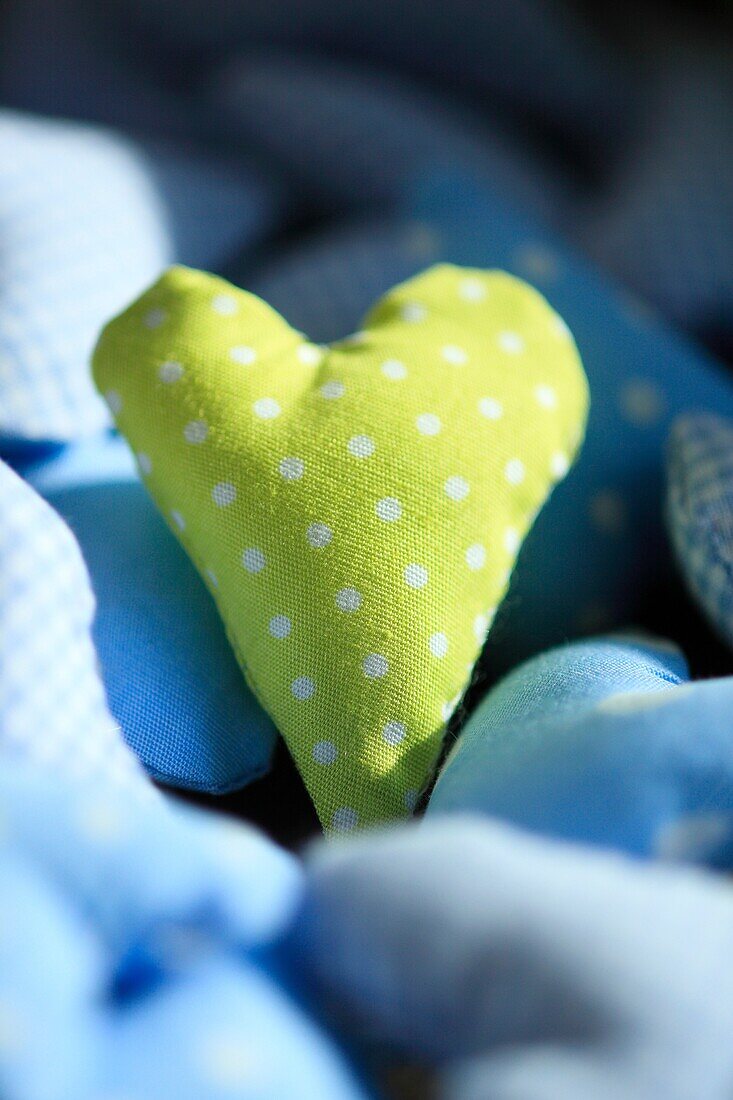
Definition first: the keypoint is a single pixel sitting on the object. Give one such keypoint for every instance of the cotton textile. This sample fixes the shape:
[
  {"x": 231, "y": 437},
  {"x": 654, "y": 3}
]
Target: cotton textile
[
  {"x": 356, "y": 511},
  {"x": 602, "y": 742},
  {"x": 53, "y": 710},
  {"x": 171, "y": 679},
  {"x": 700, "y": 512},
  {"x": 136, "y": 955},
  {"x": 522, "y": 967}
]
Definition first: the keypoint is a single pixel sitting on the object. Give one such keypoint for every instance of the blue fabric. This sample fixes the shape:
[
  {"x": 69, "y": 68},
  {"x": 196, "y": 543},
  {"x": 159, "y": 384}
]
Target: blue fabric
[
  {"x": 87, "y": 219},
  {"x": 133, "y": 954},
  {"x": 171, "y": 678},
  {"x": 351, "y": 136},
  {"x": 523, "y": 967},
  {"x": 602, "y": 742},
  {"x": 52, "y": 705},
  {"x": 665, "y": 226},
  {"x": 700, "y": 512},
  {"x": 600, "y": 549}
]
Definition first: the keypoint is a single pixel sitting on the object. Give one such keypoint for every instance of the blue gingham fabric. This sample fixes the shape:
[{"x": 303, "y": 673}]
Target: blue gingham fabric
[
  {"x": 87, "y": 218},
  {"x": 52, "y": 705},
  {"x": 700, "y": 512},
  {"x": 171, "y": 678},
  {"x": 602, "y": 742}
]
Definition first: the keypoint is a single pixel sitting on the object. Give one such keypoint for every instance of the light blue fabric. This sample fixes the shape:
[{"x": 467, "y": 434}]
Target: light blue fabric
[
  {"x": 171, "y": 678},
  {"x": 87, "y": 218},
  {"x": 521, "y": 967},
  {"x": 700, "y": 512},
  {"x": 52, "y": 706},
  {"x": 605, "y": 743},
  {"x": 133, "y": 959}
]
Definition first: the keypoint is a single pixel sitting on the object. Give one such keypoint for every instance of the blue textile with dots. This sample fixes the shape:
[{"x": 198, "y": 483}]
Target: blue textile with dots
[
  {"x": 135, "y": 953},
  {"x": 524, "y": 967},
  {"x": 602, "y": 742},
  {"x": 170, "y": 675},
  {"x": 700, "y": 512},
  {"x": 599, "y": 554}
]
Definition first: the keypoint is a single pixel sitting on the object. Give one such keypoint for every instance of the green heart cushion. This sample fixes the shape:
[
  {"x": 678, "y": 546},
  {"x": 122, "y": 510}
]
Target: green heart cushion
[{"x": 356, "y": 510}]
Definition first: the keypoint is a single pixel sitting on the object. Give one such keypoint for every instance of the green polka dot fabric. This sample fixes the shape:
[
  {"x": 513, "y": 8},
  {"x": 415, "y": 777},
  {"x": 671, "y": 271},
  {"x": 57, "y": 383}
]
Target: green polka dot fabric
[{"x": 356, "y": 510}]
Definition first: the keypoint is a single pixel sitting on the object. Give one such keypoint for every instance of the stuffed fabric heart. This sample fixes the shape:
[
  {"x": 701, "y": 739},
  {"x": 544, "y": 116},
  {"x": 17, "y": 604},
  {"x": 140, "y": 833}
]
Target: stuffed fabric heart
[
  {"x": 356, "y": 510},
  {"x": 700, "y": 512}
]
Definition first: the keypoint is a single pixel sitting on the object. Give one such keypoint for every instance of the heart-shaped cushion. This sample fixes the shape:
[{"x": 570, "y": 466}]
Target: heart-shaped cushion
[{"x": 356, "y": 510}]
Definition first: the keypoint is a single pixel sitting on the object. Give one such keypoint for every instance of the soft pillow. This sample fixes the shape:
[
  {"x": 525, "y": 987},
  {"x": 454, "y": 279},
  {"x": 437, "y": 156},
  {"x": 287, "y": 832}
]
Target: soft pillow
[
  {"x": 521, "y": 967},
  {"x": 602, "y": 742},
  {"x": 87, "y": 219},
  {"x": 137, "y": 955},
  {"x": 171, "y": 678},
  {"x": 355, "y": 510},
  {"x": 700, "y": 512}
]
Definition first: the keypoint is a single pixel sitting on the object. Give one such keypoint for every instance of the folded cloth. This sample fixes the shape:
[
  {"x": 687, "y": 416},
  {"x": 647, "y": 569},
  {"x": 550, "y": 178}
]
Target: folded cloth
[
  {"x": 348, "y": 137},
  {"x": 665, "y": 222},
  {"x": 169, "y": 672},
  {"x": 52, "y": 705},
  {"x": 602, "y": 742},
  {"x": 524, "y": 967},
  {"x": 87, "y": 218},
  {"x": 531, "y": 57},
  {"x": 134, "y": 957},
  {"x": 700, "y": 512}
]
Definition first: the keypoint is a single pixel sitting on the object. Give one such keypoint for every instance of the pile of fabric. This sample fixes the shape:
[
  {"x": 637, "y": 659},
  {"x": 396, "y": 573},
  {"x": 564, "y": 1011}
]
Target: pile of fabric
[{"x": 366, "y": 469}]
